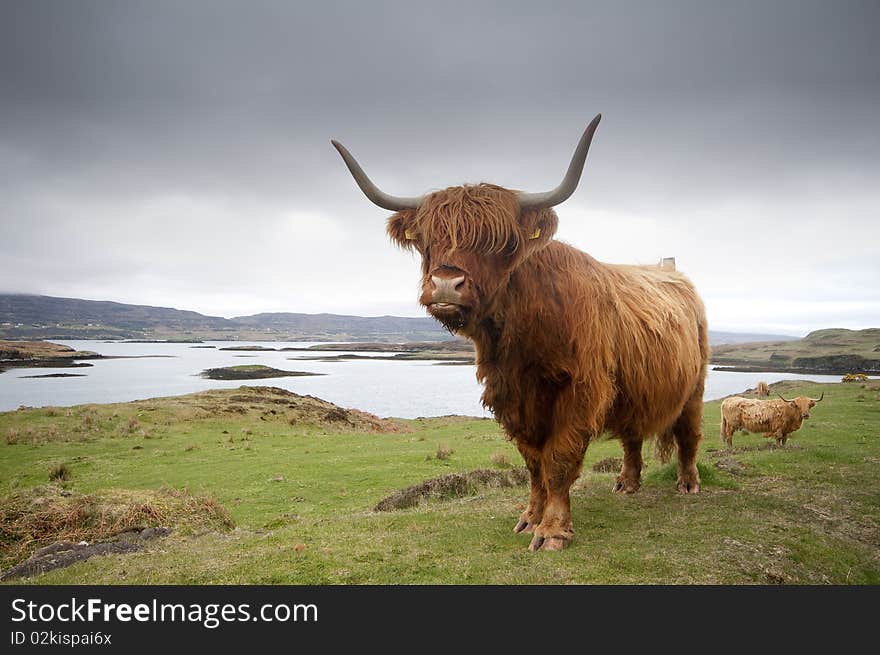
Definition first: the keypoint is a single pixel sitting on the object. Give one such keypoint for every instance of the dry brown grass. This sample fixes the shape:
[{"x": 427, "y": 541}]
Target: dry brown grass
[
  {"x": 59, "y": 473},
  {"x": 608, "y": 465},
  {"x": 499, "y": 459},
  {"x": 444, "y": 452},
  {"x": 454, "y": 485},
  {"x": 44, "y": 515},
  {"x": 33, "y": 435}
]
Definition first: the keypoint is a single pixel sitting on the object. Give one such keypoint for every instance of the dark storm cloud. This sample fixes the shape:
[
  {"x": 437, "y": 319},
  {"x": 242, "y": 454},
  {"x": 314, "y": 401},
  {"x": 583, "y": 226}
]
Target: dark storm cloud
[{"x": 212, "y": 116}]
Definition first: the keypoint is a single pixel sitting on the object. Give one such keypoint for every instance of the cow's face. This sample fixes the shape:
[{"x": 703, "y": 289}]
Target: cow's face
[
  {"x": 804, "y": 405},
  {"x": 471, "y": 238}
]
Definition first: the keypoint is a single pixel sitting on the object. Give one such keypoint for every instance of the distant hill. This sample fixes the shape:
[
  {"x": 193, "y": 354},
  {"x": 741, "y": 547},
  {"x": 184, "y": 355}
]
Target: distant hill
[
  {"x": 46, "y": 317},
  {"x": 335, "y": 327},
  {"x": 835, "y": 351},
  {"x": 29, "y": 311},
  {"x": 719, "y": 338}
]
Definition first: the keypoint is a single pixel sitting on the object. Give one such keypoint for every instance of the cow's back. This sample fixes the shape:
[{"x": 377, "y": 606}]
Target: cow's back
[{"x": 661, "y": 346}]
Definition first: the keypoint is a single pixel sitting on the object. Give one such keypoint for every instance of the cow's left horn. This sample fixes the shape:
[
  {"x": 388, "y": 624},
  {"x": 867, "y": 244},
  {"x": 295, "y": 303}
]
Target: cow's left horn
[
  {"x": 571, "y": 179},
  {"x": 819, "y": 399},
  {"x": 374, "y": 193}
]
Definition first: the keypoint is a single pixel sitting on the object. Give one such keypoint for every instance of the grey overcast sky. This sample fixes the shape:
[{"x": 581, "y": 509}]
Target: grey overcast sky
[{"x": 177, "y": 153}]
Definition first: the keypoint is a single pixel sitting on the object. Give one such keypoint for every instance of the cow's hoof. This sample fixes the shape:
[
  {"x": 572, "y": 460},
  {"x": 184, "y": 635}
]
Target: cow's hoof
[
  {"x": 523, "y": 526},
  {"x": 688, "y": 487},
  {"x": 625, "y": 486},
  {"x": 549, "y": 543}
]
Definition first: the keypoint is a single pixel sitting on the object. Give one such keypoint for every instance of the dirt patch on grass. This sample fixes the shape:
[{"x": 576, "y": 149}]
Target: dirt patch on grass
[
  {"x": 454, "y": 485},
  {"x": 608, "y": 465},
  {"x": 41, "y": 517},
  {"x": 750, "y": 449},
  {"x": 731, "y": 465},
  {"x": 64, "y": 553},
  {"x": 764, "y": 563}
]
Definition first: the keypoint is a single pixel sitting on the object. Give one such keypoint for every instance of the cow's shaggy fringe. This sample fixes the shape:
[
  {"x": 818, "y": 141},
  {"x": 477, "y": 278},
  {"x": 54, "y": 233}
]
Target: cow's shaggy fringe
[{"x": 474, "y": 218}]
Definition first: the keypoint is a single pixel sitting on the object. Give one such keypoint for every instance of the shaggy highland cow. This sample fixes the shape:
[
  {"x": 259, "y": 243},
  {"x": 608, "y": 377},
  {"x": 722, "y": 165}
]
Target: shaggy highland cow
[
  {"x": 773, "y": 418},
  {"x": 566, "y": 346},
  {"x": 763, "y": 389}
]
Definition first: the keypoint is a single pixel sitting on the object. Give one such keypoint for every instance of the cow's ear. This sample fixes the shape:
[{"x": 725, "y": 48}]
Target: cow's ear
[
  {"x": 401, "y": 228},
  {"x": 539, "y": 226}
]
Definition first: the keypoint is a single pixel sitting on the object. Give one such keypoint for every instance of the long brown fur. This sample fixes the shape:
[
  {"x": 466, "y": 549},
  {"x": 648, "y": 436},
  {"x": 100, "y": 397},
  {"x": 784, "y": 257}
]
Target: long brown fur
[{"x": 567, "y": 347}]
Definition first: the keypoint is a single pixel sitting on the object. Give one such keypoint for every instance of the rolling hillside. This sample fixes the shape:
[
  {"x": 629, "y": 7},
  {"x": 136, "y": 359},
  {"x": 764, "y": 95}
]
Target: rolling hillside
[
  {"x": 46, "y": 317},
  {"x": 836, "y": 351}
]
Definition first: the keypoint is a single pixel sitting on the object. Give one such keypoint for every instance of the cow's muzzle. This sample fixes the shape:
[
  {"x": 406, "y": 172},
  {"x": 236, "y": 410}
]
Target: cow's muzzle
[{"x": 446, "y": 291}]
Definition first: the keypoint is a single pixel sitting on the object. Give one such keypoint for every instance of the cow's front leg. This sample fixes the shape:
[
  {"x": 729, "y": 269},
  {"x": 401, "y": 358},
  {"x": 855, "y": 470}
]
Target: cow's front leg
[
  {"x": 561, "y": 462},
  {"x": 537, "y": 493}
]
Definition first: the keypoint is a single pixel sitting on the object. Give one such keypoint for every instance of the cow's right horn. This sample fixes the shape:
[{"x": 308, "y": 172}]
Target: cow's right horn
[
  {"x": 572, "y": 176},
  {"x": 374, "y": 193},
  {"x": 785, "y": 399}
]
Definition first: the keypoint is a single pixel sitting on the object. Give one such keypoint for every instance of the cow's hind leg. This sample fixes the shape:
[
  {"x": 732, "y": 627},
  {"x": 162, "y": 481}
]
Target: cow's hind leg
[
  {"x": 537, "y": 494},
  {"x": 561, "y": 461},
  {"x": 630, "y": 476},
  {"x": 687, "y": 431},
  {"x": 727, "y": 433}
]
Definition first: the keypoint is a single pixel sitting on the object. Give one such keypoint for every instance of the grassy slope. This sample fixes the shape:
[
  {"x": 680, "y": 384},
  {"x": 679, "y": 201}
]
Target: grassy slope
[
  {"x": 808, "y": 513},
  {"x": 821, "y": 343}
]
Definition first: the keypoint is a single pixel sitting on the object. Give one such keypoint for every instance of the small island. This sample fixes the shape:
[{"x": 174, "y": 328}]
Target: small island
[
  {"x": 41, "y": 354},
  {"x": 250, "y": 372}
]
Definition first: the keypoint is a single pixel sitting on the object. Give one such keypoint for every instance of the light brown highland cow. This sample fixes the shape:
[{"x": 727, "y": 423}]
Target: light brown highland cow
[
  {"x": 774, "y": 418},
  {"x": 566, "y": 346}
]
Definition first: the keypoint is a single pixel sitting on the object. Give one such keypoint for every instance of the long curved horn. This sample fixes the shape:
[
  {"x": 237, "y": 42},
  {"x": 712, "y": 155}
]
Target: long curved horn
[
  {"x": 780, "y": 395},
  {"x": 819, "y": 399},
  {"x": 572, "y": 177},
  {"x": 374, "y": 193}
]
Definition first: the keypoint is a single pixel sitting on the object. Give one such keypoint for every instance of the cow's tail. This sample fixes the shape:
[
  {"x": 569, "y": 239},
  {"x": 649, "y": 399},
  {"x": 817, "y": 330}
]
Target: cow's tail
[{"x": 664, "y": 445}]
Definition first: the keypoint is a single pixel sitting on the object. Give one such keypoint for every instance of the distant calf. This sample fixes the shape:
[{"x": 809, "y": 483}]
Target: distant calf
[
  {"x": 763, "y": 389},
  {"x": 774, "y": 418}
]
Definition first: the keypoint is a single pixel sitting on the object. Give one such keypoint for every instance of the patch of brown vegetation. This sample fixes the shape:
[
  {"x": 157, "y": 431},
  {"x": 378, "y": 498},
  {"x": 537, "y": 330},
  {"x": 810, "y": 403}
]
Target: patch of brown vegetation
[
  {"x": 59, "y": 473},
  {"x": 33, "y": 435},
  {"x": 271, "y": 404},
  {"x": 608, "y": 465},
  {"x": 731, "y": 465},
  {"x": 42, "y": 516},
  {"x": 747, "y": 449},
  {"x": 454, "y": 485}
]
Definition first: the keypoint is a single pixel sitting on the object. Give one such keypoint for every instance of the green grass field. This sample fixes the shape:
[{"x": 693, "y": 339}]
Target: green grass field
[{"x": 300, "y": 494}]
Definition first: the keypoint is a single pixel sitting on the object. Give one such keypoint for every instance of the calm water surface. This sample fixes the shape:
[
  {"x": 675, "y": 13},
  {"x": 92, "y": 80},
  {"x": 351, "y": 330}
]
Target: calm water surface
[{"x": 406, "y": 389}]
